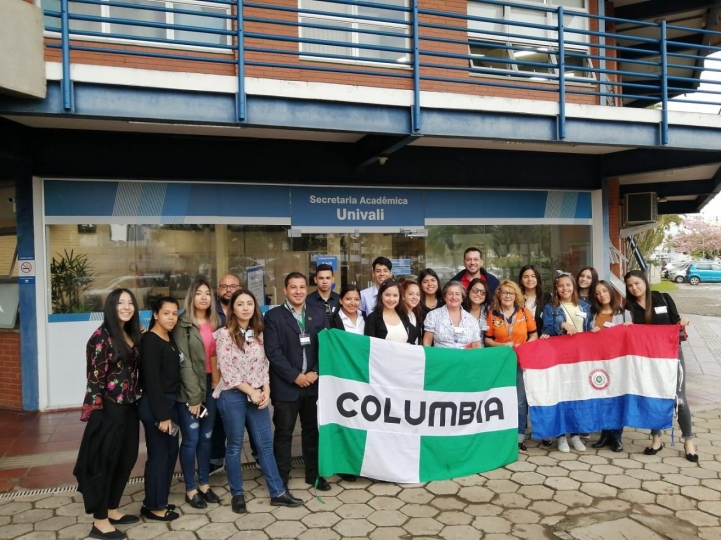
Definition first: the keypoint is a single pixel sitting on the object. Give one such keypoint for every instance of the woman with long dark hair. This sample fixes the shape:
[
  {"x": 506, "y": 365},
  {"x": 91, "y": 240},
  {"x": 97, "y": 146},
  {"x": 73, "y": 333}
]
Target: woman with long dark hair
[
  {"x": 389, "y": 320},
  {"x": 243, "y": 395},
  {"x": 607, "y": 312},
  {"x": 196, "y": 405},
  {"x": 529, "y": 279},
  {"x": 160, "y": 381},
  {"x": 431, "y": 297},
  {"x": 478, "y": 303},
  {"x": 110, "y": 400},
  {"x": 586, "y": 281},
  {"x": 411, "y": 298},
  {"x": 652, "y": 307}
]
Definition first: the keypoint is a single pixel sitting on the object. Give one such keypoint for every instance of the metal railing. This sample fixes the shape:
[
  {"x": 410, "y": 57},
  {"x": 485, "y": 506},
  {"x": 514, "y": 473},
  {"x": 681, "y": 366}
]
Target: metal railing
[{"x": 553, "y": 55}]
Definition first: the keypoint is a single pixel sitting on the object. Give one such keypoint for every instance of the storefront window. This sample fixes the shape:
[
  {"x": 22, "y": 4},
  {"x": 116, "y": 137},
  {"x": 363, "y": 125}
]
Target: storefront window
[{"x": 88, "y": 261}]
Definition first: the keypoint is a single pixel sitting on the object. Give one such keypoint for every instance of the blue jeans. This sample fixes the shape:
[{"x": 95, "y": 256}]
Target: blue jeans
[
  {"x": 237, "y": 413},
  {"x": 197, "y": 436},
  {"x": 522, "y": 404}
]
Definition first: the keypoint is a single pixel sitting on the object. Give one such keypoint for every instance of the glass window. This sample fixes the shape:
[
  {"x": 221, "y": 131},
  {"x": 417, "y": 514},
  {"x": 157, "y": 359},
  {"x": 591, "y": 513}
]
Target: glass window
[
  {"x": 201, "y": 21},
  {"x": 351, "y": 30},
  {"x": 490, "y": 56},
  {"x": 139, "y": 15}
]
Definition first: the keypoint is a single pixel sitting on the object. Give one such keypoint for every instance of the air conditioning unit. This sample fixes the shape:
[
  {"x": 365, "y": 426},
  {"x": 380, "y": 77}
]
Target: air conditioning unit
[{"x": 640, "y": 208}]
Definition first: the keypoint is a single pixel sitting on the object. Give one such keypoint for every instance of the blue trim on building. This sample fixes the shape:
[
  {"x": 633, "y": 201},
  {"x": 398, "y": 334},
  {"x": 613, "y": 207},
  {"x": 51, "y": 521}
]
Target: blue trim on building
[
  {"x": 148, "y": 104},
  {"x": 28, "y": 311},
  {"x": 320, "y": 206}
]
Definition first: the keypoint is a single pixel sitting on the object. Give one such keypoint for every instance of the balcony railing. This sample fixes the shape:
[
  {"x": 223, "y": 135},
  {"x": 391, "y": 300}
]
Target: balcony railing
[{"x": 547, "y": 52}]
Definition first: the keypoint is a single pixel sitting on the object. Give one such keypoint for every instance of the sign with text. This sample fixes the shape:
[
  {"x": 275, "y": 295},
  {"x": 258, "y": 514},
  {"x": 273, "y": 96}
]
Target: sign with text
[{"x": 362, "y": 208}]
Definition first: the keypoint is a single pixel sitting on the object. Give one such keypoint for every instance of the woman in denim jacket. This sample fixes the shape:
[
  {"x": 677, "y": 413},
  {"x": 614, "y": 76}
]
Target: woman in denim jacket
[{"x": 566, "y": 314}]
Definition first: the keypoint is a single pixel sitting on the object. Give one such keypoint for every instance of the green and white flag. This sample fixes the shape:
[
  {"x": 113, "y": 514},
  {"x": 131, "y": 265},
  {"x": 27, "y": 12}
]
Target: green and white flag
[{"x": 404, "y": 413}]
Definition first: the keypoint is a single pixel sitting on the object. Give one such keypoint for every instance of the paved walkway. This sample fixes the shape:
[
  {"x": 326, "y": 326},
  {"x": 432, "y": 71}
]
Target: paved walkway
[{"x": 547, "y": 494}]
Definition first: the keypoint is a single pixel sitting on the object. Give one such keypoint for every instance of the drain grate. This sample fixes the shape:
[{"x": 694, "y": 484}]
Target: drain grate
[{"x": 133, "y": 481}]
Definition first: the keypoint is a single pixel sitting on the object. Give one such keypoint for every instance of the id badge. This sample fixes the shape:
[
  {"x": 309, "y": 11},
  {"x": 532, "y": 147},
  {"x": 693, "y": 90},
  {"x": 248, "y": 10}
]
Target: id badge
[
  {"x": 249, "y": 334},
  {"x": 581, "y": 314},
  {"x": 607, "y": 324},
  {"x": 661, "y": 309},
  {"x": 304, "y": 339},
  {"x": 458, "y": 330}
]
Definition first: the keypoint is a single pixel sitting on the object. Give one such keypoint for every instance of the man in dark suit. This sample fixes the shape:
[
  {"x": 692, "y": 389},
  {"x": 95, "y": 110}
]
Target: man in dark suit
[{"x": 291, "y": 345}]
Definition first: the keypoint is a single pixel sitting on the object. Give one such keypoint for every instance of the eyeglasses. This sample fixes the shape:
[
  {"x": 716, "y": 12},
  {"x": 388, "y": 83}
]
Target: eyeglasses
[
  {"x": 508, "y": 293},
  {"x": 478, "y": 291},
  {"x": 231, "y": 287}
]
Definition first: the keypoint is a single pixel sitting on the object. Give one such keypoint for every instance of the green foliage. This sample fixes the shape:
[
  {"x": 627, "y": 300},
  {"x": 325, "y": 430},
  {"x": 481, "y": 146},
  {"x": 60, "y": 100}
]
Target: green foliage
[
  {"x": 664, "y": 285},
  {"x": 70, "y": 275},
  {"x": 649, "y": 240}
]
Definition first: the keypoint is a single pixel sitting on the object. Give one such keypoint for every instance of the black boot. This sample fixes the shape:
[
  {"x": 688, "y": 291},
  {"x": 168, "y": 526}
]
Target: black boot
[
  {"x": 616, "y": 445},
  {"x": 605, "y": 440},
  {"x": 238, "y": 504}
]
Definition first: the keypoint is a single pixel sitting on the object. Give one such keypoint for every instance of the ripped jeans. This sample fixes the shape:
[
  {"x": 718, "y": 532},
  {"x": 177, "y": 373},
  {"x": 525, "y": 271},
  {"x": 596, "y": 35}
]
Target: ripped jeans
[
  {"x": 197, "y": 441},
  {"x": 684, "y": 413}
]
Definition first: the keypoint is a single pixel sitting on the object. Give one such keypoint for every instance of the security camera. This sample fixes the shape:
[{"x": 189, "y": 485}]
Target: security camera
[{"x": 11, "y": 199}]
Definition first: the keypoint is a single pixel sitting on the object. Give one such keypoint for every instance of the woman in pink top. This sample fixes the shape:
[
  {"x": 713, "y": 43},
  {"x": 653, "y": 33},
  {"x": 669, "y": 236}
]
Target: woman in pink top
[
  {"x": 243, "y": 395},
  {"x": 195, "y": 403}
]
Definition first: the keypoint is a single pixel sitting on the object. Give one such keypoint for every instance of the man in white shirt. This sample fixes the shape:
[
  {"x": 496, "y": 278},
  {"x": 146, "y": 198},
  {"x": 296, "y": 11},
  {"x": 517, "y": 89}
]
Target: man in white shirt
[{"x": 381, "y": 271}]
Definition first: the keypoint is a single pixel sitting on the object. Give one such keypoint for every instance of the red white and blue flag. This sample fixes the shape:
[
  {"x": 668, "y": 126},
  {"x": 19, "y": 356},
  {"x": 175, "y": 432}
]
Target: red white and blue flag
[{"x": 623, "y": 376}]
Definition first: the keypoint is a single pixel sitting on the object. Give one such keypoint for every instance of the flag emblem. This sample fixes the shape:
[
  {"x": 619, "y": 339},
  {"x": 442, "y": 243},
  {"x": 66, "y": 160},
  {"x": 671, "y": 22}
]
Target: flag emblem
[{"x": 599, "y": 379}]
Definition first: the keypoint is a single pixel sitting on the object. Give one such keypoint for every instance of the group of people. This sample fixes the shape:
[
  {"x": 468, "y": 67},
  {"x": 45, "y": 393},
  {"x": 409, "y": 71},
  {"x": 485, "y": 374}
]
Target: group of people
[{"x": 210, "y": 372}]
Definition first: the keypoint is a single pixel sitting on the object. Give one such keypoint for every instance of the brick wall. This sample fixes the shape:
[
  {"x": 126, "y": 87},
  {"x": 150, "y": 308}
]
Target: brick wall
[
  {"x": 11, "y": 391},
  {"x": 296, "y": 69}
]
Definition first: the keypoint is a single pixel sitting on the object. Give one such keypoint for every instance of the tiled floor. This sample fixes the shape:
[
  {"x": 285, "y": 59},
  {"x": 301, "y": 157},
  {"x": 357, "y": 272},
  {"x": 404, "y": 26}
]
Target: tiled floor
[{"x": 38, "y": 450}]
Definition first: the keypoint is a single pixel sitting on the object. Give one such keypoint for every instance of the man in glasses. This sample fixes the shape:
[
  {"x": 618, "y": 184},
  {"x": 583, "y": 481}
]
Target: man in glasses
[
  {"x": 473, "y": 262},
  {"x": 226, "y": 287}
]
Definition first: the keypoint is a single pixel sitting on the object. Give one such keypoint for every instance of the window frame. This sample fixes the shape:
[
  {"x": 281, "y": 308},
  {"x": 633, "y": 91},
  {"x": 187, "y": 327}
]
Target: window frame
[
  {"x": 105, "y": 28},
  {"x": 548, "y": 45},
  {"x": 353, "y": 31}
]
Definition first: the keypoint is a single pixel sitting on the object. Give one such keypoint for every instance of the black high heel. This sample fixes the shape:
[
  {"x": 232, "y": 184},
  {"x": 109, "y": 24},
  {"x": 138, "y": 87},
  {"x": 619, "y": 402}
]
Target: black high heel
[{"x": 651, "y": 451}]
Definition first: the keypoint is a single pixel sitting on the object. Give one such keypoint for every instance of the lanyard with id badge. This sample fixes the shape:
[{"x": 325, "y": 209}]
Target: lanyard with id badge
[{"x": 304, "y": 336}]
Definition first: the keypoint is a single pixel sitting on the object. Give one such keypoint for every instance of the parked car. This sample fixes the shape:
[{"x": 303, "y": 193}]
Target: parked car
[
  {"x": 668, "y": 267},
  {"x": 678, "y": 274},
  {"x": 708, "y": 272}
]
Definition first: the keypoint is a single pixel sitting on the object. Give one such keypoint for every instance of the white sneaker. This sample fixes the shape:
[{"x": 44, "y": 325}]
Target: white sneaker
[
  {"x": 563, "y": 444},
  {"x": 577, "y": 444}
]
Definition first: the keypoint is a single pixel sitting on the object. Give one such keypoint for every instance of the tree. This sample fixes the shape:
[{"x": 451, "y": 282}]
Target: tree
[
  {"x": 699, "y": 238},
  {"x": 649, "y": 240}
]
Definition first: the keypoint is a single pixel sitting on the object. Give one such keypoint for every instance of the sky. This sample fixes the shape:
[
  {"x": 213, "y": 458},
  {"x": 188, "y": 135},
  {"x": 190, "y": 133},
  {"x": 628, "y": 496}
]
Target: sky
[{"x": 713, "y": 84}]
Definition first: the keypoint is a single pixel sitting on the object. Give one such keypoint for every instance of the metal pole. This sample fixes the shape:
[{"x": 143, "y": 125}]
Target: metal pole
[
  {"x": 66, "y": 82},
  {"x": 561, "y": 78},
  {"x": 240, "y": 96},
  {"x": 664, "y": 86},
  {"x": 416, "y": 114}
]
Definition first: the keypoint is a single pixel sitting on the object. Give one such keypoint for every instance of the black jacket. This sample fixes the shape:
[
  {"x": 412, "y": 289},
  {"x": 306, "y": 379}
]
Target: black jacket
[
  {"x": 638, "y": 314},
  {"x": 337, "y": 322},
  {"x": 376, "y": 327},
  {"x": 538, "y": 315},
  {"x": 285, "y": 353},
  {"x": 97, "y": 458}
]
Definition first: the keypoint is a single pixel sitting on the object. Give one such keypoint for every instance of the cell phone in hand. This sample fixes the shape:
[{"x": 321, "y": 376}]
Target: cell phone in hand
[
  {"x": 174, "y": 428},
  {"x": 203, "y": 410}
]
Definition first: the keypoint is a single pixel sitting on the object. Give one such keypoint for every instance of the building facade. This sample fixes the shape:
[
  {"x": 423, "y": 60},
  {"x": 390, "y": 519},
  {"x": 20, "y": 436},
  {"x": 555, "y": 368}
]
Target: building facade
[{"x": 177, "y": 137}]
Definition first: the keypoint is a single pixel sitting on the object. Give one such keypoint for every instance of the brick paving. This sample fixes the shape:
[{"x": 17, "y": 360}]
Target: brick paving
[{"x": 594, "y": 495}]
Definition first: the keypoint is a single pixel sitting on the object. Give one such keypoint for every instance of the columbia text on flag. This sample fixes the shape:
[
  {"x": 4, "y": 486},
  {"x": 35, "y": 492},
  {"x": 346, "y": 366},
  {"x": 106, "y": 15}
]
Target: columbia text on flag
[{"x": 403, "y": 413}]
